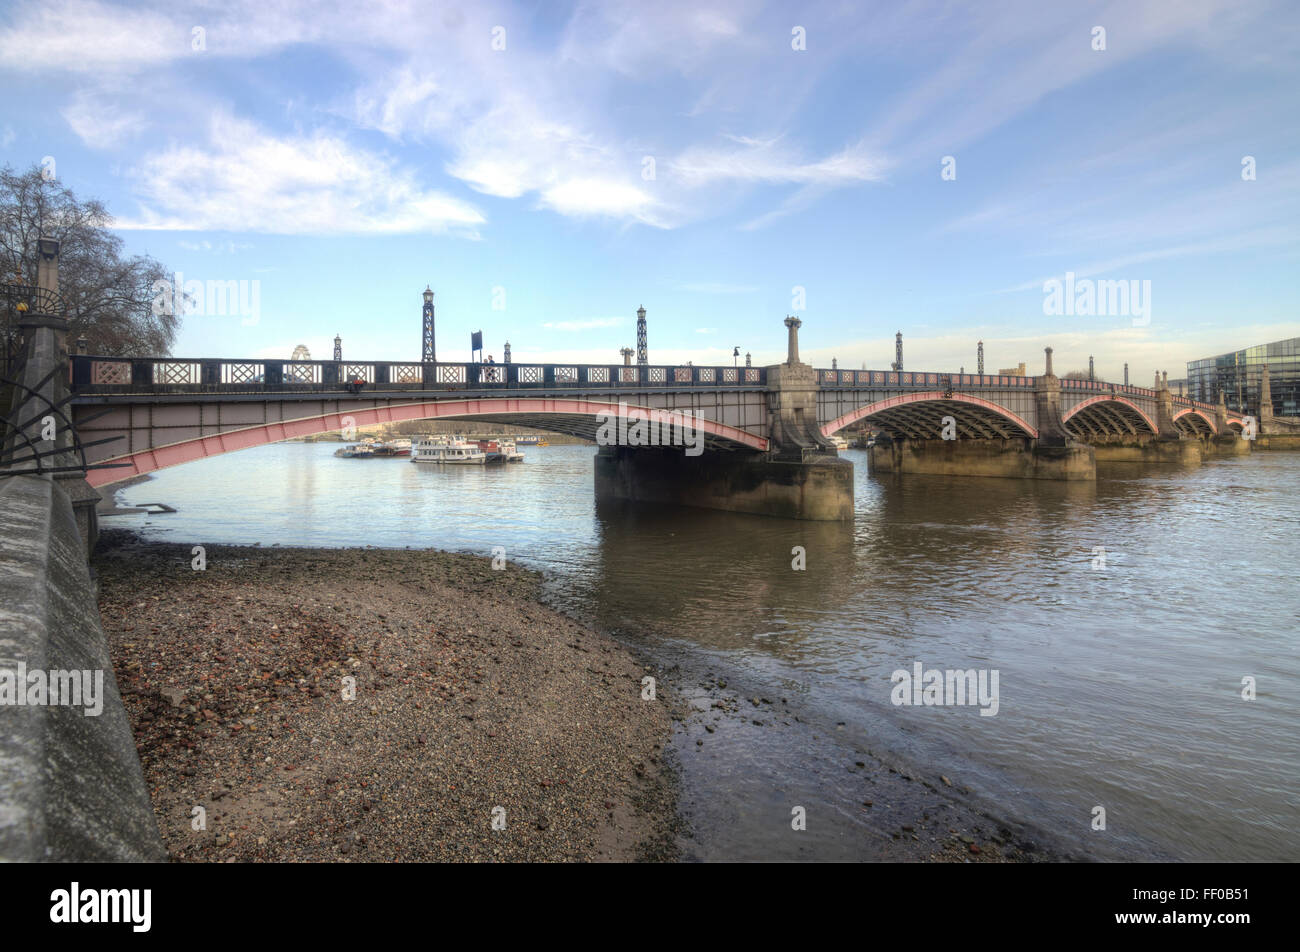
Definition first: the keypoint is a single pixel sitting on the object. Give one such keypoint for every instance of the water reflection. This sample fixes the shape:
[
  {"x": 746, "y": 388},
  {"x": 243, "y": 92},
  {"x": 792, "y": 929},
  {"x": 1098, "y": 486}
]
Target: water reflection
[{"x": 1120, "y": 685}]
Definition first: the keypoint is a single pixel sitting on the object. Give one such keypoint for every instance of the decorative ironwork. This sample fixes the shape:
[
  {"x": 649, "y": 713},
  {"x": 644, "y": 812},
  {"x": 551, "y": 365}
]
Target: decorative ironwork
[
  {"x": 708, "y": 375},
  {"x": 242, "y": 373},
  {"x": 682, "y": 374},
  {"x": 405, "y": 373},
  {"x": 353, "y": 372},
  {"x": 566, "y": 374},
  {"x": 450, "y": 373},
  {"x": 33, "y": 299},
  {"x": 20, "y": 454},
  {"x": 110, "y": 372},
  {"x": 629, "y": 374},
  {"x": 642, "y": 355},
  {"x": 730, "y": 374},
  {"x": 427, "y": 335},
  {"x": 597, "y": 375},
  {"x": 531, "y": 374},
  {"x": 751, "y": 375},
  {"x": 302, "y": 373},
  {"x": 657, "y": 375},
  {"x": 176, "y": 371}
]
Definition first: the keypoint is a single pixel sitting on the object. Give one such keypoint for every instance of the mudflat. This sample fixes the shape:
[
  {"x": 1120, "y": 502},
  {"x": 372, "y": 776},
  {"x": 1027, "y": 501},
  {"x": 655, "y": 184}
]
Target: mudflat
[{"x": 378, "y": 705}]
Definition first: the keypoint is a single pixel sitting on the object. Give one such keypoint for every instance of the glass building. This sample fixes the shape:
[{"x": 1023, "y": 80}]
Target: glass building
[{"x": 1238, "y": 374}]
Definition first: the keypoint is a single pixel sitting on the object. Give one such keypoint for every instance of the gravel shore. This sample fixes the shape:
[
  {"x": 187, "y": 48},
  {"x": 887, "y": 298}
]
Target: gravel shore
[{"x": 473, "y": 703}]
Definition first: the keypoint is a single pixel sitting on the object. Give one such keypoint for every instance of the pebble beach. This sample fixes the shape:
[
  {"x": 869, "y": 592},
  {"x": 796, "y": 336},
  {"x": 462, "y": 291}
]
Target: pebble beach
[{"x": 378, "y": 705}]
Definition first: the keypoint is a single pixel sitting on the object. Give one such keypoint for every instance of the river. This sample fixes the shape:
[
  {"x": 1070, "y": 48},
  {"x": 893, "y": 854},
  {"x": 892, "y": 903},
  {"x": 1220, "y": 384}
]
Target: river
[{"x": 1119, "y": 685}]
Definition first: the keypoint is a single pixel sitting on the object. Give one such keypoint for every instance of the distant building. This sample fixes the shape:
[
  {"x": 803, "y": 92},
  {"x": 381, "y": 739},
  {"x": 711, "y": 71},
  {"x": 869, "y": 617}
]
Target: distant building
[
  {"x": 1238, "y": 373},
  {"x": 1017, "y": 371}
]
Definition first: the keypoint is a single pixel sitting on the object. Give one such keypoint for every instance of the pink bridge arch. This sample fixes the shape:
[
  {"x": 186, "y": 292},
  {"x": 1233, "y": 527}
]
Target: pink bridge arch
[
  {"x": 1209, "y": 420},
  {"x": 903, "y": 399},
  {"x": 1109, "y": 398},
  {"x": 160, "y": 457}
]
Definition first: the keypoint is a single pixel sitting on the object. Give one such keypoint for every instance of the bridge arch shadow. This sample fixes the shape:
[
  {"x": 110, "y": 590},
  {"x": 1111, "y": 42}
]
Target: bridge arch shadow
[
  {"x": 920, "y": 416},
  {"x": 1194, "y": 422},
  {"x": 1107, "y": 415},
  {"x": 574, "y": 417}
]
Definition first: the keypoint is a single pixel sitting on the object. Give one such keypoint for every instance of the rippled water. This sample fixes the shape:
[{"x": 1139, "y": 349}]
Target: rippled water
[{"x": 1118, "y": 687}]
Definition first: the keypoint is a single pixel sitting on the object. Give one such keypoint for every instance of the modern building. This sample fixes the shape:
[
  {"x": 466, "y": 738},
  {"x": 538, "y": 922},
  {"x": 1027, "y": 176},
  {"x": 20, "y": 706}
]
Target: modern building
[{"x": 1238, "y": 375}]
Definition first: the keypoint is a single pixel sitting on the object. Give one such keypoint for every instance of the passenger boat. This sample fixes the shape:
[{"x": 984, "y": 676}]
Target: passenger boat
[
  {"x": 531, "y": 441},
  {"x": 449, "y": 451}
]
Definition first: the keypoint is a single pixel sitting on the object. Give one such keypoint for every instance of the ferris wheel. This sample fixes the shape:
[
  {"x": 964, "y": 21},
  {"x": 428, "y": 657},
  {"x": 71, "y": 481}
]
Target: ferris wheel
[{"x": 300, "y": 374}]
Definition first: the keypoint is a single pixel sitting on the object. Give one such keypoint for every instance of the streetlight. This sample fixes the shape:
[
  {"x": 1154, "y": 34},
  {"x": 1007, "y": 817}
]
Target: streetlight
[{"x": 735, "y": 357}]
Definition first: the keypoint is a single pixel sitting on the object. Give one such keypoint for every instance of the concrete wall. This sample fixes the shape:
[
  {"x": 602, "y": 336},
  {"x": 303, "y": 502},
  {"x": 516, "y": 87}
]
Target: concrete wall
[
  {"x": 1276, "y": 441},
  {"x": 821, "y": 489},
  {"x": 1150, "y": 451},
  {"x": 1014, "y": 459},
  {"x": 71, "y": 788}
]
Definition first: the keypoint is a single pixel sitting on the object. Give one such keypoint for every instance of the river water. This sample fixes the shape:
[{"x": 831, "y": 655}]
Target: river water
[{"x": 1119, "y": 685}]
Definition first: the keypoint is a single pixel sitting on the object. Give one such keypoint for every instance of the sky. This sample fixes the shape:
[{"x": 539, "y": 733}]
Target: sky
[{"x": 923, "y": 167}]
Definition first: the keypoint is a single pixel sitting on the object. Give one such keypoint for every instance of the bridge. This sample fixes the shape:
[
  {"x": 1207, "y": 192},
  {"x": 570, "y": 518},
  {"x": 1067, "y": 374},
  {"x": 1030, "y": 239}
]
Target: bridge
[
  {"x": 149, "y": 413},
  {"x": 71, "y": 786},
  {"x": 764, "y": 431}
]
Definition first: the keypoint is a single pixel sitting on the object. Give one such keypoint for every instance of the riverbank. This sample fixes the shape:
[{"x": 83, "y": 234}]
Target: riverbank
[{"x": 472, "y": 702}]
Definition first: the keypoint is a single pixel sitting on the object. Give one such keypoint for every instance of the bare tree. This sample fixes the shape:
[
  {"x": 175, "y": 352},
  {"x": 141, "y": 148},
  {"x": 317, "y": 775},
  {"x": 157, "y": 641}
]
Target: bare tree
[{"x": 109, "y": 297}]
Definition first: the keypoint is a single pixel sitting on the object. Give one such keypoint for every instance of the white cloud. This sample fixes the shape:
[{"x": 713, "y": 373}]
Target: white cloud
[
  {"x": 584, "y": 197},
  {"x": 100, "y": 124},
  {"x": 767, "y": 163},
  {"x": 247, "y": 180}
]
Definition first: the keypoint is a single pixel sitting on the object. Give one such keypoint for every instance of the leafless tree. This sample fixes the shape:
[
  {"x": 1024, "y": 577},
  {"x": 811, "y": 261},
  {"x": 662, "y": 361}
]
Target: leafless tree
[{"x": 109, "y": 297}]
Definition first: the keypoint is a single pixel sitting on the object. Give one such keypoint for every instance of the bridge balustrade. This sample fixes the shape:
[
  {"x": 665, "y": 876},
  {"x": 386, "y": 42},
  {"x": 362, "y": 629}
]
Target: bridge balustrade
[
  {"x": 921, "y": 381},
  {"x": 107, "y": 375}
]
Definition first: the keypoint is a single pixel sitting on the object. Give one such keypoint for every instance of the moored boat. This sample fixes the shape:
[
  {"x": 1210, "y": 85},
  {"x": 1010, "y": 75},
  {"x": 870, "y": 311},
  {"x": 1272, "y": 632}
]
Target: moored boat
[
  {"x": 356, "y": 451},
  {"x": 501, "y": 451},
  {"x": 393, "y": 448},
  {"x": 447, "y": 451}
]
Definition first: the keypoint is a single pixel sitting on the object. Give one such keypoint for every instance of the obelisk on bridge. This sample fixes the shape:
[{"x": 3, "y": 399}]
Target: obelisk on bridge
[
  {"x": 792, "y": 343},
  {"x": 1265, "y": 401},
  {"x": 1047, "y": 397},
  {"x": 792, "y": 404}
]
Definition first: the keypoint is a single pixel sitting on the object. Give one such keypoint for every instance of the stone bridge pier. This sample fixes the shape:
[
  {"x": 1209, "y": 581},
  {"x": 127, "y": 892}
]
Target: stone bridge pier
[
  {"x": 800, "y": 476},
  {"x": 1050, "y": 453}
]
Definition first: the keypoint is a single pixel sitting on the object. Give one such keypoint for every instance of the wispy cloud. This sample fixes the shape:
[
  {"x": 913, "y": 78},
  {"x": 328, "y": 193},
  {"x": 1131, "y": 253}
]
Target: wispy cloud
[{"x": 244, "y": 179}]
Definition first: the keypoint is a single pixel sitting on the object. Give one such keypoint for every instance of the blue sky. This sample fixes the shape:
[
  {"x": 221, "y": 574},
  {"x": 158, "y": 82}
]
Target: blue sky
[{"x": 344, "y": 160}]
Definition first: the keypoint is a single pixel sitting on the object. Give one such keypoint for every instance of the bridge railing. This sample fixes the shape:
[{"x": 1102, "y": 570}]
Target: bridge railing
[
  {"x": 835, "y": 378},
  {"x": 109, "y": 375},
  {"x": 917, "y": 380}
]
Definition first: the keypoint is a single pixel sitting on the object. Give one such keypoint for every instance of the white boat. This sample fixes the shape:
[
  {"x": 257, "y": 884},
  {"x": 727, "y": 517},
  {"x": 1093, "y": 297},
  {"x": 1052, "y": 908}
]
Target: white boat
[
  {"x": 840, "y": 442},
  {"x": 449, "y": 451}
]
